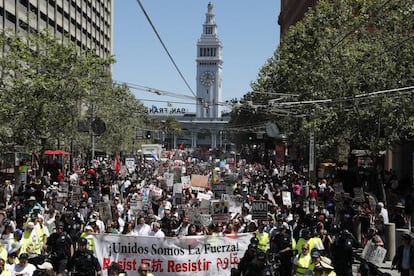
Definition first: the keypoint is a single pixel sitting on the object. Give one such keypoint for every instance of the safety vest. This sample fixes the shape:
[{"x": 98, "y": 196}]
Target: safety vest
[
  {"x": 38, "y": 243},
  {"x": 91, "y": 242},
  {"x": 263, "y": 240},
  {"x": 5, "y": 273},
  {"x": 303, "y": 264},
  {"x": 3, "y": 252},
  {"x": 28, "y": 240},
  {"x": 301, "y": 242}
]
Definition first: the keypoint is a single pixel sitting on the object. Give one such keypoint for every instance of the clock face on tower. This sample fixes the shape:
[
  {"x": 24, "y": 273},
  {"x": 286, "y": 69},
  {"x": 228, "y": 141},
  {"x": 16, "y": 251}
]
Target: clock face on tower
[{"x": 207, "y": 78}]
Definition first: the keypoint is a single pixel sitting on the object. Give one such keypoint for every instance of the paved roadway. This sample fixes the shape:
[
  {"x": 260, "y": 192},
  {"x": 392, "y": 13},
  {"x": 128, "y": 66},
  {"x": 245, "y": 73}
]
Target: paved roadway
[{"x": 384, "y": 268}]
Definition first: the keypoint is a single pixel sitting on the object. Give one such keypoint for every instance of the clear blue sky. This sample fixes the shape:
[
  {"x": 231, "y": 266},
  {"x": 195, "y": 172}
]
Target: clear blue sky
[{"x": 248, "y": 30}]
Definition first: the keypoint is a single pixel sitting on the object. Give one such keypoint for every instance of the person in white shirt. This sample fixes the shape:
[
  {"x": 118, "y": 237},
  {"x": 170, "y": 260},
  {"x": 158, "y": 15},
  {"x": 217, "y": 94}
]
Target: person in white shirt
[
  {"x": 23, "y": 267},
  {"x": 101, "y": 225},
  {"x": 142, "y": 229},
  {"x": 119, "y": 206},
  {"x": 156, "y": 231},
  {"x": 384, "y": 212},
  {"x": 161, "y": 210}
]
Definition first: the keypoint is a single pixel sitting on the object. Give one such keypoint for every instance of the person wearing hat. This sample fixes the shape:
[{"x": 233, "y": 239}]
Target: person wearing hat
[
  {"x": 83, "y": 262},
  {"x": 404, "y": 256},
  {"x": 23, "y": 267},
  {"x": 282, "y": 244},
  {"x": 44, "y": 269},
  {"x": 59, "y": 248},
  {"x": 399, "y": 216},
  {"x": 320, "y": 265},
  {"x": 11, "y": 260},
  {"x": 88, "y": 234},
  {"x": 325, "y": 269},
  {"x": 33, "y": 206}
]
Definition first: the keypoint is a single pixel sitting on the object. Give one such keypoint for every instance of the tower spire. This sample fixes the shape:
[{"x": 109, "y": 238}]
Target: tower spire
[{"x": 209, "y": 66}]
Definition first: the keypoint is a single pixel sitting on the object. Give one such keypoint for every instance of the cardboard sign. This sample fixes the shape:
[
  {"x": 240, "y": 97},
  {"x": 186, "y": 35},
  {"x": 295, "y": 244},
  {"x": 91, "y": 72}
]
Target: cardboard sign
[
  {"x": 259, "y": 209},
  {"x": 204, "y": 196},
  {"x": 219, "y": 207},
  {"x": 220, "y": 218},
  {"x": 200, "y": 181},
  {"x": 63, "y": 189},
  {"x": 219, "y": 189},
  {"x": 169, "y": 179},
  {"x": 374, "y": 254},
  {"x": 286, "y": 198},
  {"x": 235, "y": 203}
]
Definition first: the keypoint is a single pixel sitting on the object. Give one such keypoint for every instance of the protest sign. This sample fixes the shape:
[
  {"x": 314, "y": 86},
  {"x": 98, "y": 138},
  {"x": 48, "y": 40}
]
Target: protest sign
[
  {"x": 104, "y": 209},
  {"x": 259, "y": 209},
  {"x": 199, "y": 181},
  {"x": 286, "y": 198},
  {"x": 169, "y": 178},
  {"x": 374, "y": 254},
  {"x": 189, "y": 255},
  {"x": 186, "y": 181}
]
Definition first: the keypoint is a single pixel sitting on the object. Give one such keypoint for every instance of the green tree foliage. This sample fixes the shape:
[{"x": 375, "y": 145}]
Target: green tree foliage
[
  {"x": 48, "y": 88},
  {"x": 339, "y": 52}
]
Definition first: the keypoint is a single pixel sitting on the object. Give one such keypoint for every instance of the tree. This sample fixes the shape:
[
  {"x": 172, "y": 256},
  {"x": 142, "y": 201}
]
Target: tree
[
  {"x": 341, "y": 51},
  {"x": 49, "y": 88}
]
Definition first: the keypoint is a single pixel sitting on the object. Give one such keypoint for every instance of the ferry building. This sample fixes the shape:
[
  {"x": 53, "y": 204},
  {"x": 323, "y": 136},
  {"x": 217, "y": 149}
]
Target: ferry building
[{"x": 205, "y": 128}]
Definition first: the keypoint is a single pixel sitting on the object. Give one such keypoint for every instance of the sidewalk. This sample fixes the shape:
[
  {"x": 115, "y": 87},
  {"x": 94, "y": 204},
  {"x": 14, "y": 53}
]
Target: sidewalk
[{"x": 384, "y": 268}]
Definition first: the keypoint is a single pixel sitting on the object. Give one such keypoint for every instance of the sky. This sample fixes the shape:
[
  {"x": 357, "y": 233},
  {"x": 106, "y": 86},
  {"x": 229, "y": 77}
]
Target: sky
[{"x": 248, "y": 31}]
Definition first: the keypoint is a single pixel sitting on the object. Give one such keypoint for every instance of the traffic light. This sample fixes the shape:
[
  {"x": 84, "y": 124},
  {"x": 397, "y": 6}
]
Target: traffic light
[{"x": 148, "y": 134}]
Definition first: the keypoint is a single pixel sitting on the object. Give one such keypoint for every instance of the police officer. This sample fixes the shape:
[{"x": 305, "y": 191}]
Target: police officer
[
  {"x": 281, "y": 244},
  {"x": 83, "y": 262},
  {"x": 342, "y": 253},
  {"x": 59, "y": 248}
]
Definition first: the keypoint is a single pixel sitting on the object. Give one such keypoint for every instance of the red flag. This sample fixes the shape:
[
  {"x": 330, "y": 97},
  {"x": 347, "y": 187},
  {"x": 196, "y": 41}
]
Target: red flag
[{"x": 117, "y": 166}]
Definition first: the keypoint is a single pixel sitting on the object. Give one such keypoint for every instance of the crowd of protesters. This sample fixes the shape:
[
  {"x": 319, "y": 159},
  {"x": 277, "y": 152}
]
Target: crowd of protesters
[{"x": 314, "y": 234}]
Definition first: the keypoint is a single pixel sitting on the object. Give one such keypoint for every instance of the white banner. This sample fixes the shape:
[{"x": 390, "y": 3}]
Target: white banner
[{"x": 189, "y": 255}]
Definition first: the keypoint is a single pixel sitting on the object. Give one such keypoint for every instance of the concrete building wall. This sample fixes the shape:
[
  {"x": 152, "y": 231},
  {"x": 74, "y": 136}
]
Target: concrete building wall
[
  {"x": 88, "y": 23},
  {"x": 292, "y": 11}
]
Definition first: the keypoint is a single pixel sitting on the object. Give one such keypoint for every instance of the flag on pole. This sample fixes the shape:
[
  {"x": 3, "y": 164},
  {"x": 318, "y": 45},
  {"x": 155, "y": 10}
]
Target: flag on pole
[
  {"x": 117, "y": 166},
  {"x": 270, "y": 194}
]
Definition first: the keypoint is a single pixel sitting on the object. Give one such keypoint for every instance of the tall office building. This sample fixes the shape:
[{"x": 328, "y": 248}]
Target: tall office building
[
  {"x": 88, "y": 23},
  {"x": 292, "y": 11}
]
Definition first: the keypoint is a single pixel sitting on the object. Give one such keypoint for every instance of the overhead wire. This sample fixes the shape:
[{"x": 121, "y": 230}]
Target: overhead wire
[{"x": 165, "y": 47}]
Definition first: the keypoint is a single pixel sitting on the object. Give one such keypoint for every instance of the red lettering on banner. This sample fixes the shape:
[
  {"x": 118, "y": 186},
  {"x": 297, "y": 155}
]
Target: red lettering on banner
[
  {"x": 125, "y": 264},
  {"x": 225, "y": 262},
  {"x": 189, "y": 266}
]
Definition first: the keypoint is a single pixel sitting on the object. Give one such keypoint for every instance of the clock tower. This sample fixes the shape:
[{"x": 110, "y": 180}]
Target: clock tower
[{"x": 209, "y": 67}]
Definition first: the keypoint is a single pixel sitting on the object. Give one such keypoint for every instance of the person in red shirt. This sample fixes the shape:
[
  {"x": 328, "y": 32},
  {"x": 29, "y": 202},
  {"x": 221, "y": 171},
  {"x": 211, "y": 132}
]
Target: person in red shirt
[{"x": 60, "y": 176}]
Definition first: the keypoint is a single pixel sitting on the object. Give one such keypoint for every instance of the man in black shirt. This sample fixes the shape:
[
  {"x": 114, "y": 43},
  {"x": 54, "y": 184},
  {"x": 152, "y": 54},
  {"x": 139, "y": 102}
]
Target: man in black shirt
[
  {"x": 59, "y": 249},
  {"x": 83, "y": 262}
]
